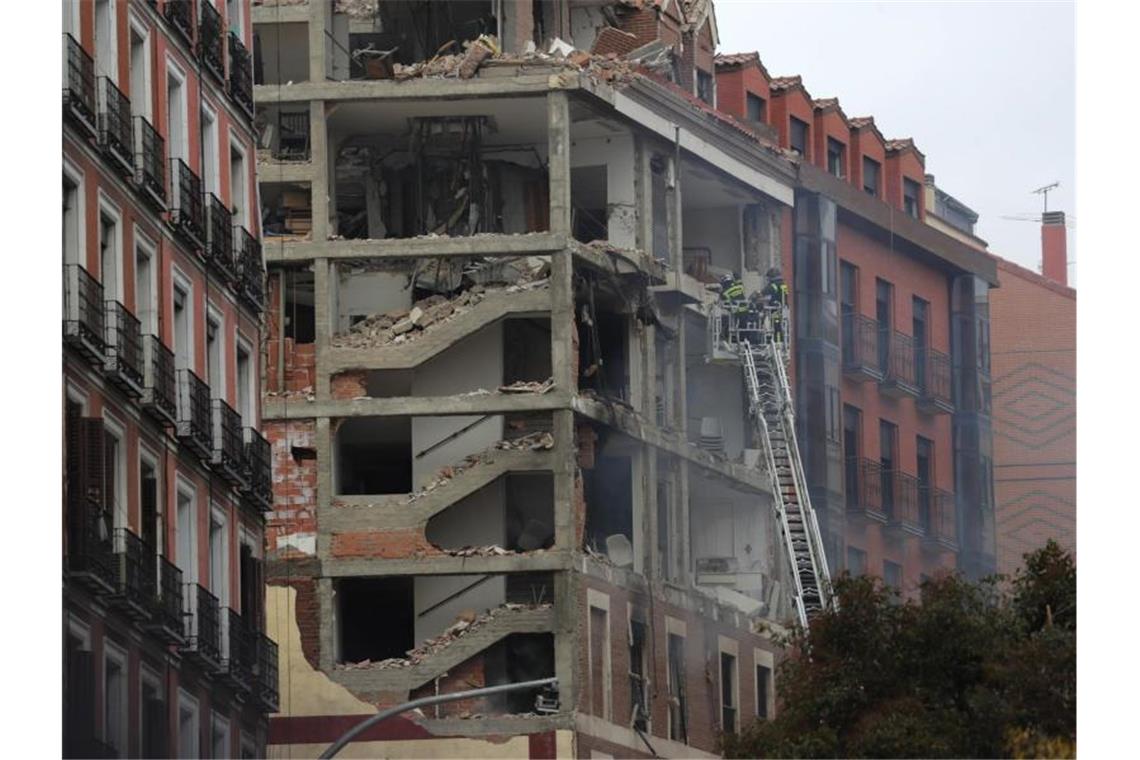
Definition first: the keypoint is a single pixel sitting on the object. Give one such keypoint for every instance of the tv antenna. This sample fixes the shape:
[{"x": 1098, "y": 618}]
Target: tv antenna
[{"x": 1044, "y": 192}]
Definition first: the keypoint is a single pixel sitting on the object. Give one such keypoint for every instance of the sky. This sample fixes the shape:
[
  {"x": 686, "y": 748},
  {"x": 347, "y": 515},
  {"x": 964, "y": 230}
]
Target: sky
[{"x": 986, "y": 89}]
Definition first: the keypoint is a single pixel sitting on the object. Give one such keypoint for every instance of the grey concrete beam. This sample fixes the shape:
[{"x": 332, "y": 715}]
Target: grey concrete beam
[
  {"x": 415, "y": 406},
  {"x": 483, "y": 244},
  {"x": 322, "y": 306},
  {"x": 319, "y": 15},
  {"x": 281, "y": 14},
  {"x": 415, "y": 89},
  {"x": 319, "y": 152},
  {"x": 558, "y": 137},
  {"x": 446, "y": 565},
  {"x": 285, "y": 171}
]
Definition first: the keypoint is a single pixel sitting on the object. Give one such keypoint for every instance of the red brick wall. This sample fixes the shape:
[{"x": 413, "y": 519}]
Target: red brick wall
[
  {"x": 830, "y": 124},
  {"x": 900, "y": 165},
  {"x": 791, "y": 103},
  {"x": 388, "y": 544},
  {"x": 642, "y": 24},
  {"x": 470, "y": 674},
  {"x": 866, "y": 142},
  {"x": 294, "y": 481},
  {"x": 1033, "y": 362},
  {"x": 308, "y": 612}
]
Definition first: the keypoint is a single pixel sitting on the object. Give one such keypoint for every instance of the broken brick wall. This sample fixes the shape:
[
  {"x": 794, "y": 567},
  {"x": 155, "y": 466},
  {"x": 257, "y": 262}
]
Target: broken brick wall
[
  {"x": 298, "y": 576},
  {"x": 292, "y": 525},
  {"x": 470, "y": 674},
  {"x": 300, "y": 358}
]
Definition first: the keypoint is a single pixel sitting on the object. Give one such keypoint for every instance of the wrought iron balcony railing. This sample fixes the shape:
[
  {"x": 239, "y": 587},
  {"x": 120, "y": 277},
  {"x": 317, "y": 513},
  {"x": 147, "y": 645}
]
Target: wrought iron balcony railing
[
  {"x": 150, "y": 163},
  {"x": 186, "y": 212},
  {"x": 241, "y": 75},
  {"x": 935, "y": 394},
  {"x": 79, "y": 85},
  {"x": 84, "y": 323},
  {"x": 251, "y": 269},
  {"x": 168, "y": 604},
  {"x": 180, "y": 13},
  {"x": 211, "y": 45},
  {"x": 220, "y": 239},
  {"x": 900, "y": 501},
  {"x": 938, "y": 517},
  {"x": 228, "y": 454},
  {"x": 860, "y": 347},
  {"x": 124, "y": 362},
  {"x": 115, "y": 126},
  {"x": 863, "y": 487},
  {"x": 194, "y": 414},
  {"x": 136, "y": 582},
  {"x": 899, "y": 379},
  {"x": 267, "y": 673},
  {"x": 292, "y": 136},
  {"x": 240, "y": 653},
  {"x": 90, "y": 547},
  {"x": 203, "y": 628},
  {"x": 257, "y": 456},
  {"x": 160, "y": 394}
]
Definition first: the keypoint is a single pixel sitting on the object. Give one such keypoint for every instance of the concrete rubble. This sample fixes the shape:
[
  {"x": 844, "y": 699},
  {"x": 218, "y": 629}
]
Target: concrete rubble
[
  {"x": 529, "y": 386},
  {"x": 466, "y": 622},
  {"x": 538, "y": 441}
]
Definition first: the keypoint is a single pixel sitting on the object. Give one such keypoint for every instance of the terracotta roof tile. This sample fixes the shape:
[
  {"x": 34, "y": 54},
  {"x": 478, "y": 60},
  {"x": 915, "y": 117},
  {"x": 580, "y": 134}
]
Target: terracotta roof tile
[
  {"x": 901, "y": 144},
  {"x": 786, "y": 83},
  {"x": 858, "y": 122},
  {"x": 826, "y": 102},
  {"x": 736, "y": 59}
]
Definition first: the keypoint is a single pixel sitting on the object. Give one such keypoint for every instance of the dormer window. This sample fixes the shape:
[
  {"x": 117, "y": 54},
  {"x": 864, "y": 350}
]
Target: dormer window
[
  {"x": 757, "y": 109},
  {"x": 910, "y": 197},
  {"x": 705, "y": 86},
  {"x": 870, "y": 176},
  {"x": 836, "y": 157},
  {"x": 798, "y": 136}
]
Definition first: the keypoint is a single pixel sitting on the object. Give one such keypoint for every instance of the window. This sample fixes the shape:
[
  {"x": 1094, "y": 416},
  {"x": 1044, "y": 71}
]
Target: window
[
  {"x": 852, "y": 450},
  {"x": 757, "y": 109},
  {"x": 186, "y": 558},
  {"x": 675, "y": 677},
  {"x": 924, "y": 472},
  {"x": 798, "y": 136},
  {"x": 888, "y": 461},
  {"x": 251, "y": 583},
  {"x": 233, "y": 17},
  {"x": 187, "y": 725},
  {"x": 140, "y": 69},
  {"x": 220, "y": 737},
  {"x": 219, "y": 556},
  {"x": 848, "y": 308},
  {"x": 151, "y": 515},
  {"x": 176, "y": 115},
  {"x": 705, "y": 86},
  {"x": 239, "y": 180},
  {"x": 910, "y": 197},
  {"x": 106, "y": 56},
  {"x": 638, "y": 666},
  {"x": 836, "y": 157},
  {"x": 870, "y": 176},
  {"x": 115, "y": 470},
  {"x": 145, "y": 286},
  {"x": 884, "y": 317},
  {"x": 153, "y": 720},
  {"x": 599, "y": 663},
  {"x": 183, "y": 338},
  {"x": 110, "y": 253},
  {"x": 856, "y": 561},
  {"x": 210, "y": 151},
  {"x": 920, "y": 329},
  {"x": 245, "y": 388},
  {"x": 763, "y": 690},
  {"x": 73, "y": 247},
  {"x": 833, "y": 419},
  {"x": 214, "y": 370},
  {"x": 115, "y": 698},
  {"x": 248, "y": 747},
  {"x": 728, "y": 692},
  {"x": 892, "y": 574}
]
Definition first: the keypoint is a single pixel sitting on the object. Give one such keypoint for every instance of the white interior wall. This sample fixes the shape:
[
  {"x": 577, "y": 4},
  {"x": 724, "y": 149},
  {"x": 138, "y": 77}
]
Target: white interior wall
[
  {"x": 717, "y": 390},
  {"x": 728, "y": 523},
  {"x": 718, "y": 229},
  {"x": 284, "y": 52},
  {"x": 363, "y": 293},
  {"x": 616, "y": 154}
]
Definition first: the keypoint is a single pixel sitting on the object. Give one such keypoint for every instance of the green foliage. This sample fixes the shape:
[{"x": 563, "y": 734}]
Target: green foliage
[{"x": 983, "y": 669}]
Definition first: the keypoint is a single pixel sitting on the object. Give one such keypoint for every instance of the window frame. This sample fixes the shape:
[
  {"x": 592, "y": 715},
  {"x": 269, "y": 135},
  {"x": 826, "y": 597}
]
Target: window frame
[
  {"x": 75, "y": 175},
  {"x": 179, "y": 149},
  {"x": 727, "y": 647},
  {"x": 217, "y": 719},
  {"x": 113, "y": 213},
  {"x": 762, "y": 658},
  {"x": 842, "y": 156},
  {"x": 675, "y": 630},
  {"x": 145, "y": 247},
  {"x": 877, "y": 191},
  {"x": 749, "y": 99},
  {"x": 147, "y": 676},
  {"x": 186, "y": 491},
  {"x": 187, "y": 702},
  {"x": 596, "y": 600},
  {"x": 136, "y": 26},
  {"x": 181, "y": 284},
  {"x": 215, "y": 318},
  {"x": 117, "y": 654},
  {"x": 793, "y": 123},
  {"x": 907, "y": 184}
]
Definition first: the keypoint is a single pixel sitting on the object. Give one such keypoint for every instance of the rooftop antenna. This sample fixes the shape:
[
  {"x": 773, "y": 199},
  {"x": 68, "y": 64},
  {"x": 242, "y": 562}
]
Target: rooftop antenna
[{"x": 1044, "y": 192}]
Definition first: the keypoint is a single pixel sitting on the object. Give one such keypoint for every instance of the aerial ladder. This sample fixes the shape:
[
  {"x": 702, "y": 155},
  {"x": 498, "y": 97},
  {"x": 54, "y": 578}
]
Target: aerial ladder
[{"x": 764, "y": 361}]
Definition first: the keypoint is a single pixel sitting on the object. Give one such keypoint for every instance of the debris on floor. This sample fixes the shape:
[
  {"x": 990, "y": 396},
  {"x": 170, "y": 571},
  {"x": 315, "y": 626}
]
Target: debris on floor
[
  {"x": 528, "y": 386},
  {"x": 537, "y": 441}
]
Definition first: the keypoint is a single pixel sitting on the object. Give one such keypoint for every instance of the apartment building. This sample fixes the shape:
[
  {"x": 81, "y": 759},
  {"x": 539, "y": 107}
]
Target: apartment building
[
  {"x": 891, "y": 336},
  {"x": 166, "y": 475}
]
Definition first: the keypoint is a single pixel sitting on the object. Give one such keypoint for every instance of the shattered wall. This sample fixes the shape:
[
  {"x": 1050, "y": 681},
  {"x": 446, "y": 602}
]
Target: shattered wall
[{"x": 291, "y": 527}]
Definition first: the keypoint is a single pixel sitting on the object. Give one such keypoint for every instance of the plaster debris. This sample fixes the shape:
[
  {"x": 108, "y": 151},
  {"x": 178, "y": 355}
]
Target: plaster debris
[
  {"x": 528, "y": 386},
  {"x": 538, "y": 441}
]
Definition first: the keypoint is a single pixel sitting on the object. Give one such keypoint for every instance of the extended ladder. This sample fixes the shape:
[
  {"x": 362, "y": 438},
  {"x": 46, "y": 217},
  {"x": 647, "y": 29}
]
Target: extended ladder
[{"x": 770, "y": 406}]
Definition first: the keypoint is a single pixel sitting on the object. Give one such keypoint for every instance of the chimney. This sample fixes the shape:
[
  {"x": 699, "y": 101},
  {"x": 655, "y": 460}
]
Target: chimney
[{"x": 1054, "y": 253}]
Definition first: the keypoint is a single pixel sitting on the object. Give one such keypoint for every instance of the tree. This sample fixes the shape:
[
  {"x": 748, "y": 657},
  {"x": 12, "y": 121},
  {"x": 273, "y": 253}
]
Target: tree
[{"x": 982, "y": 669}]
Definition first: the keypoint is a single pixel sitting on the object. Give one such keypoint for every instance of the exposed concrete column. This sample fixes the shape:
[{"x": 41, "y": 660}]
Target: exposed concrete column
[
  {"x": 320, "y": 16},
  {"x": 569, "y": 609},
  {"x": 653, "y": 567},
  {"x": 643, "y": 192},
  {"x": 681, "y": 538},
  {"x": 565, "y": 465},
  {"x": 324, "y": 446},
  {"x": 326, "y": 634},
  {"x": 322, "y": 306},
  {"x": 323, "y": 172},
  {"x": 558, "y": 124},
  {"x": 566, "y": 518}
]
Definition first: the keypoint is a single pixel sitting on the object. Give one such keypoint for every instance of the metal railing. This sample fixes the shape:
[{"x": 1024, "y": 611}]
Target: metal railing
[
  {"x": 79, "y": 83},
  {"x": 228, "y": 445},
  {"x": 220, "y": 239},
  {"x": 180, "y": 13},
  {"x": 150, "y": 161},
  {"x": 900, "y": 366},
  {"x": 203, "y": 624},
  {"x": 84, "y": 320},
  {"x": 240, "y": 651},
  {"x": 863, "y": 485},
  {"x": 267, "y": 672},
  {"x": 211, "y": 46},
  {"x": 90, "y": 546},
  {"x": 860, "y": 342},
  {"x": 934, "y": 380},
  {"x": 160, "y": 389},
  {"x": 194, "y": 412},
  {"x": 292, "y": 137},
  {"x": 186, "y": 213},
  {"x": 937, "y": 515},
  {"x": 901, "y": 507},
  {"x": 115, "y": 124},
  {"x": 241, "y": 75},
  {"x": 124, "y": 347},
  {"x": 258, "y": 462},
  {"x": 136, "y": 566},
  {"x": 169, "y": 600},
  {"x": 252, "y": 271}
]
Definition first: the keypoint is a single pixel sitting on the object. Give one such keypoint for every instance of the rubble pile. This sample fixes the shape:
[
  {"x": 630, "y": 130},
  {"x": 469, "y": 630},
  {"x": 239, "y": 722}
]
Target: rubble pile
[
  {"x": 537, "y": 441},
  {"x": 305, "y": 393},
  {"x": 466, "y": 622},
  {"x": 529, "y": 386}
]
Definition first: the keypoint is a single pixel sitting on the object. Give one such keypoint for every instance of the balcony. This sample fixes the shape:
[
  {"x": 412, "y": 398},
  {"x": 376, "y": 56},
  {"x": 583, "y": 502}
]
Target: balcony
[
  {"x": 251, "y": 270},
  {"x": 241, "y": 75},
  {"x": 239, "y": 653},
  {"x": 228, "y": 452},
  {"x": 84, "y": 325},
  {"x": 136, "y": 584},
  {"x": 160, "y": 395},
  {"x": 167, "y": 604},
  {"x": 267, "y": 673},
  {"x": 293, "y": 136},
  {"x": 90, "y": 549},
  {"x": 79, "y": 86},
  {"x": 193, "y": 426},
  {"x": 900, "y": 502},
  {"x": 933, "y": 381},
  {"x": 863, "y": 487},
  {"x": 150, "y": 163},
  {"x": 211, "y": 45},
  {"x": 124, "y": 360},
  {"x": 899, "y": 379},
  {"x": 259, "y": 488},
  {"x": 115, "y": 126},
  {"x": 937, "y": 514},
  {"x": 860, "y": 348},
  {"x": 203, "y": 628},
  {"x": 220, "y": 239},
  {"x": 186, "y": 213},
  {"x": 180, "y": 14}
]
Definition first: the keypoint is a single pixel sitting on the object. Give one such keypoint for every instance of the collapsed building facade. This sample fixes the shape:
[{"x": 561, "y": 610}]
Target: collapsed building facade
[{"x": 504, "y": 445}]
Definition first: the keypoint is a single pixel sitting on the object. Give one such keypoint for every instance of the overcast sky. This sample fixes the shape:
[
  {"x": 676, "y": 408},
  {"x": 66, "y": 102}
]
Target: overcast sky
[{"x": 986, "y": 89}]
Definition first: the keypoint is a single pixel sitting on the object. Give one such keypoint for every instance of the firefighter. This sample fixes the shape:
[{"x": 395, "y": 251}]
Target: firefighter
[
  {"x": 776, "y": 294},
  {"x": 732, "y": 303},
  {"x": 754, "y": 317}
]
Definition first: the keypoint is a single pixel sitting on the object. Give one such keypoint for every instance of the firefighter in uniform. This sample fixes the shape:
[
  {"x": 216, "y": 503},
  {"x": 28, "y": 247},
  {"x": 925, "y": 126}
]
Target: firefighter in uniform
[
  {"x": 732, "y": 303},
  {"x": 776, "y": 294}
]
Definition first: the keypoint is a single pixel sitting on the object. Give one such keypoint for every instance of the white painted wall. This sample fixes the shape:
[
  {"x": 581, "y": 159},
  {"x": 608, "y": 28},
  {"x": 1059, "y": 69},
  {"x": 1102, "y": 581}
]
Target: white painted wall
[
  {"x": 728, "y": 523},
  {"x": 716, "y": 228},
  {"x": 364, "y": 293},
  {"x": 717, "y": 390},
  {"x": 616, "y": 154}
]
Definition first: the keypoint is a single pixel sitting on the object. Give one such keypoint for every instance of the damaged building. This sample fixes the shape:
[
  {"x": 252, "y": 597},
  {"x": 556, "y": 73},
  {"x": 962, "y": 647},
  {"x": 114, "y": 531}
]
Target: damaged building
[{"x": 505, "y": 445}]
